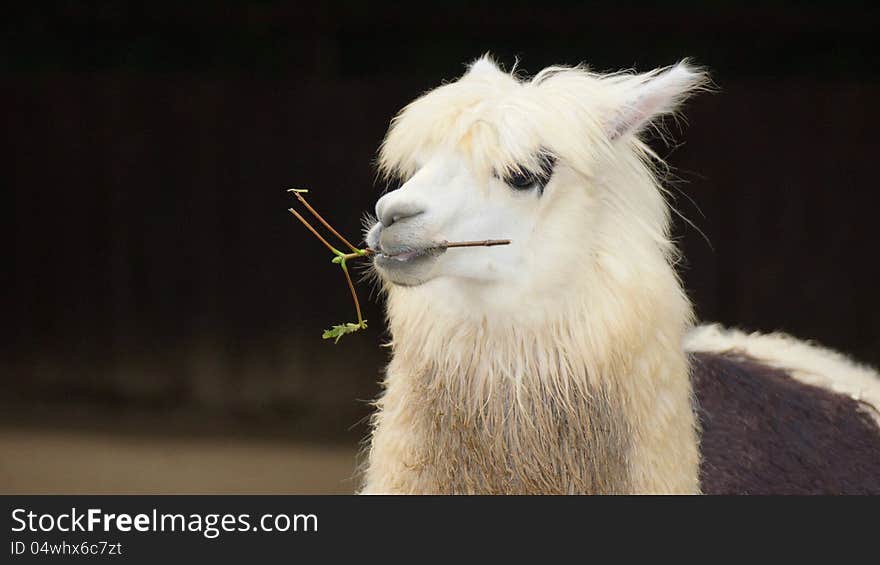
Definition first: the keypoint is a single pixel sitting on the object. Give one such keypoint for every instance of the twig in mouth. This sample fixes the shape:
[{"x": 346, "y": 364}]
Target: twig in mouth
[
  {"x": 313, "y": 230},
  {"x": 298, "y": 193},
  {"x": 354, "y": 296},
  {"x": 483, "y": 243},
  {"x": 337, "y": 331},
  {"x": 442, "y": 245}
]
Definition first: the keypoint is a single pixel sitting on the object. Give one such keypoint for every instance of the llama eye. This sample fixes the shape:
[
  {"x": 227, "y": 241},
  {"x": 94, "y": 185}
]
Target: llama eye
[
  {"x": 521, "y": 181},
  {"x": 525, "y": 180}
]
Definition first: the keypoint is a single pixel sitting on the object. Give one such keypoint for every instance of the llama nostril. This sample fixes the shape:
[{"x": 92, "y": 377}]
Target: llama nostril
[{"x": 372, "y": 237}]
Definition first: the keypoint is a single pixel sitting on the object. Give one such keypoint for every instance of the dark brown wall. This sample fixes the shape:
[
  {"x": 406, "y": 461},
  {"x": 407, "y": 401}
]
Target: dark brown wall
[{"x": 153, "y": 264}]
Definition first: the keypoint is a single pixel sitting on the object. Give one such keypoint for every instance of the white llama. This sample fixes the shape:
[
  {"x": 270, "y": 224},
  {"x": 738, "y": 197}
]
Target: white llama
[{"x": 566, "y": 362}]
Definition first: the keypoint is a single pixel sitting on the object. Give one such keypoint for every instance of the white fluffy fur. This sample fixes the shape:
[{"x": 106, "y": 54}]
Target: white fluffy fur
[
  {"x": 580, "y": 319},
  {"x": 499, "y": 121}
]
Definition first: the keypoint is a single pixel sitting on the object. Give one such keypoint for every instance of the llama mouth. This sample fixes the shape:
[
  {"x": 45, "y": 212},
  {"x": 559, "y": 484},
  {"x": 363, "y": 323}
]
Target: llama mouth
[
  {"x": 407, "y": 254},
  {"x": 406, "y": 266}
]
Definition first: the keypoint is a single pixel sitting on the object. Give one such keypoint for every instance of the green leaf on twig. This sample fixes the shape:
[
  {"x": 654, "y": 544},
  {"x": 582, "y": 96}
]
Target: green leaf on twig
[{"x": 336, "y": 332}]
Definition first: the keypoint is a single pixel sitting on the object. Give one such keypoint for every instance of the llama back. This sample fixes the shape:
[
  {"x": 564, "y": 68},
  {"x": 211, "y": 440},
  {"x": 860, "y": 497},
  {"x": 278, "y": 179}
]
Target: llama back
[{"x": 782, "y": 416}]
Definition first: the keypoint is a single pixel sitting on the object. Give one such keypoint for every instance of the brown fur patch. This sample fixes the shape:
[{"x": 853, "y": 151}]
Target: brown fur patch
[
  {"x": 524, "y": 441},
  {"x": 766, "y": 433}
]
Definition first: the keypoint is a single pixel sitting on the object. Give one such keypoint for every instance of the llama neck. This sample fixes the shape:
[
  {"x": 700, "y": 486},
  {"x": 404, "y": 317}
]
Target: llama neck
[{"x": 581, "y": 400}]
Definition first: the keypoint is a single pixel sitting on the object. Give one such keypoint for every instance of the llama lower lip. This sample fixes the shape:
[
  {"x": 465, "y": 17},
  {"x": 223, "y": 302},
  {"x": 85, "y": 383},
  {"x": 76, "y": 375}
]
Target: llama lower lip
[
  {"x": 406, "y": 257},
  {"x": 403, "y": 257}
]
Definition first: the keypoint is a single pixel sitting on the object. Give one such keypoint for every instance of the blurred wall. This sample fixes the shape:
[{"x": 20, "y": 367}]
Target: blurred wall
[{"x": 145, "y": 153}]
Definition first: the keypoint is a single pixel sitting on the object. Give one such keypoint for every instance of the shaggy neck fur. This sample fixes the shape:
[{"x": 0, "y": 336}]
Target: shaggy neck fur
[{"x": 583, "y": 389}]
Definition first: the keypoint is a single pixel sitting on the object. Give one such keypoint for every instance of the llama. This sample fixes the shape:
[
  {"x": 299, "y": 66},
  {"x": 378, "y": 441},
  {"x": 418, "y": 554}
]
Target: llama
[{"x": 568, "y": 361}]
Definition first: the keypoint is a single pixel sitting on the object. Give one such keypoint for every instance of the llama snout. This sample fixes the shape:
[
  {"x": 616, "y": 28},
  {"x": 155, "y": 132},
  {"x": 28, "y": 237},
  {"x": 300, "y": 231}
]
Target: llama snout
[
  {"x": 395, "y": 207},
  {"x": 400, "y": 237},
  {"x": 391, "y": 215}
]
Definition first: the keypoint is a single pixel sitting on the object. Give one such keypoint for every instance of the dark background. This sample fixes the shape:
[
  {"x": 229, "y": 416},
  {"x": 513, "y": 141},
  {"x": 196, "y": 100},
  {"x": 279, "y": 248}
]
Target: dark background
[{"x": 155, "y": 280}]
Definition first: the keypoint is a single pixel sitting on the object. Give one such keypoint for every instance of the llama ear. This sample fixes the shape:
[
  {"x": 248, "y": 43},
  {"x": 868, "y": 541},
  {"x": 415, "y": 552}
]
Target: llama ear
[{"x": 651, "y": 95}]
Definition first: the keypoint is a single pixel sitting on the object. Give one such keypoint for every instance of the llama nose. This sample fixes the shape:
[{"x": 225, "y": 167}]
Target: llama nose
[{"x": 395, "y": 210}]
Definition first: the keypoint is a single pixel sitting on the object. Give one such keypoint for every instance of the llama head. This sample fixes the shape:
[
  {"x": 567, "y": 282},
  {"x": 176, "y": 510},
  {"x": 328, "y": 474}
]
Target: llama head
[{"x": 553, "y": 163}]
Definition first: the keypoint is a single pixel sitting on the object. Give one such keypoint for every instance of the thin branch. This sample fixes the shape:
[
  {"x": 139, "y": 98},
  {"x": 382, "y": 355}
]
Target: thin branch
[
  {"x": 484, "y": 243},
  {"x": 314, "y": 231},
  {"x": 318, "y": 216},
  {"x": 360, "y": 253},
  {"x": 357, "y": 304}
]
